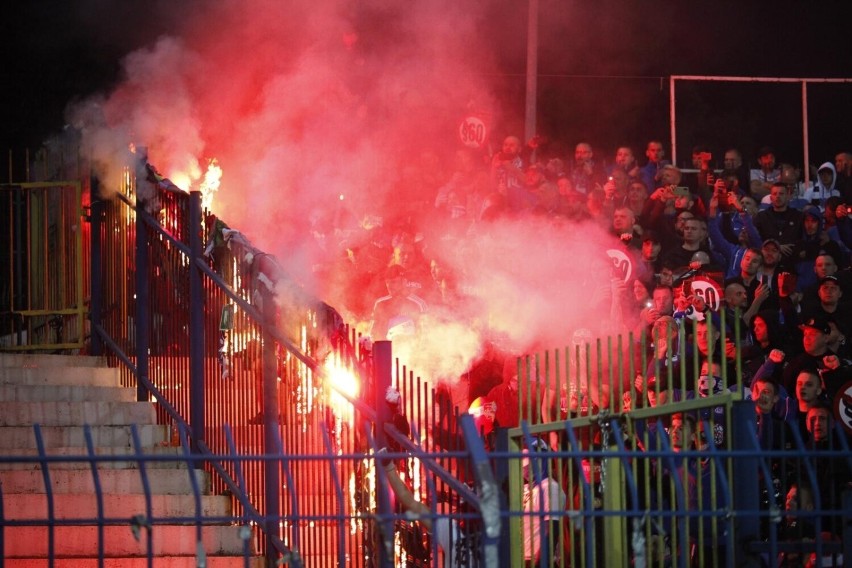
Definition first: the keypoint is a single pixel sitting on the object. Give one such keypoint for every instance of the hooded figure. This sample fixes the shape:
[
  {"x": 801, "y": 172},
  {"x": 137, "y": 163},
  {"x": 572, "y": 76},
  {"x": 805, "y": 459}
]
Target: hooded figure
[
  {"x": 811, "y": 245},
  {"x": 824, "y": 186}
]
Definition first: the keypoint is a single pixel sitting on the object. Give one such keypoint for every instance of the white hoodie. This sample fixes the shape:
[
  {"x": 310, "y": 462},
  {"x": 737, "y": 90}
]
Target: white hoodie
[{"x": 819, "y": 192}]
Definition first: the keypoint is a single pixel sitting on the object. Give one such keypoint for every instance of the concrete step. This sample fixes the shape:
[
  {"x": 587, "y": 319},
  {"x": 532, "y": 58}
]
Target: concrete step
[
  {"x": 53, "y": 375},
  {"x": 119, "y": 458},
  {"x": 126, "y": 562},
  {"x": 32, "y": 360},
  {"x": 62, "y": 394},
  {"x": 120, "y": 481},
  {"x": 67, "y": 393},
  {"x": 82, "y": 541},
  {"x": 65, "y": 436},
  {"x": 23, "y": 506},
  {"x": 97, "y": 413}
]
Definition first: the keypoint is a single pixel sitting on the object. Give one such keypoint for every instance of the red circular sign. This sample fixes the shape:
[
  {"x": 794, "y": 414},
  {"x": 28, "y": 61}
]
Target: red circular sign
[
  {"x": 843, "y": 406},
  {"x": 708, "y": 290},
  {"x": 473, "y": 132},
  {"x": 622, "y": 266}
]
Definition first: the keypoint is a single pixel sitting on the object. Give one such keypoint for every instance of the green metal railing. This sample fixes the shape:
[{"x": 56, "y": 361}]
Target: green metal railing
[{"x": 634, "y": 497}]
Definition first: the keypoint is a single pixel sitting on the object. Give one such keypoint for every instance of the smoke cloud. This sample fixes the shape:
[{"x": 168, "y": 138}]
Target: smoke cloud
[{"x": 330, "y": 117}]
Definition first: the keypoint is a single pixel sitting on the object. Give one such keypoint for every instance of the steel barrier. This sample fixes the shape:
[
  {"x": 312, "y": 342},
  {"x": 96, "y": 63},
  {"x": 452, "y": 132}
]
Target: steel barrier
[
  {"x": 636, "y": 497},
  {"x": 256, "y": 379},
  {"x": 669, "y": 519},
  {"x": 228, "y": 340}
]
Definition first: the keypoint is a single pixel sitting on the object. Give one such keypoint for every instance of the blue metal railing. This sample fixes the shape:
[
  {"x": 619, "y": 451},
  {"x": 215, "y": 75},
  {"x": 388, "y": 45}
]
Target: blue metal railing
[
  {"x": 255, "y": 464},
  {"x": 484, "y": 497},
  {"x": 181, "y": 260}
]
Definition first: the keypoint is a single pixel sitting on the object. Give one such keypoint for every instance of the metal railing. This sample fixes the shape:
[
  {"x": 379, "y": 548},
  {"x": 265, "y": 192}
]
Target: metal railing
[
  {"x": 612, "y": 519},
  {"x": 227, "y": 340},
  {"x": 635, "y": 495},
  {"x": 42, "y": 292},
  {"x": 244, "y": 368}
]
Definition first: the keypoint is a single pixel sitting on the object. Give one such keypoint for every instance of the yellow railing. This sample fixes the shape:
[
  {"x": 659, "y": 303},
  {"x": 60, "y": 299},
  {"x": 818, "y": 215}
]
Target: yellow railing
[{"x": 44, "y": 289}]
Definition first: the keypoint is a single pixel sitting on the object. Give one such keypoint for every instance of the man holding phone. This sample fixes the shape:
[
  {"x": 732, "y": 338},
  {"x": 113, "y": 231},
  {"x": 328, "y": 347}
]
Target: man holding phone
[
  {"x": 751, "y": 277},
  {"x": 701, "y": 182}
]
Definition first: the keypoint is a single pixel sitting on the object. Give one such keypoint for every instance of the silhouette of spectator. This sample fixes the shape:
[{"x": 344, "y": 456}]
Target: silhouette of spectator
[
  {"x": 732, "y": 253},
  {"x": 398, "y": 313},
  {"x": 625, "y": 160},
  {"x": 457, "y": 538},
  {"x": 843, "y": 167},
  {"x": 651, "y": 172},
  {"x": 586, "y": 174},
  {"x": 507, "y": 169},
  {"x": 766, "y": 175},
  {"x": 543, "y": 499},
  {"x": 733, "y": 160},
  {"x": 780, "y": 222}
]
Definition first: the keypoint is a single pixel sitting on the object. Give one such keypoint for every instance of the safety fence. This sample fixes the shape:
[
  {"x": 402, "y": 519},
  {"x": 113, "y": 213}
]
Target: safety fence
[
  {"x": 280, "y": 401},
  {"x": 644, "y": 505},
  {"x": 212, "y": 329},
  {"x": 657, "y": 458},
  {"x": 324, "y": 530}
]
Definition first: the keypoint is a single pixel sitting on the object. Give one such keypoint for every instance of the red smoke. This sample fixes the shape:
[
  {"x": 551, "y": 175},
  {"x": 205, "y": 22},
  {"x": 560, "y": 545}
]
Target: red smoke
[{"x": 302, "y": 102}]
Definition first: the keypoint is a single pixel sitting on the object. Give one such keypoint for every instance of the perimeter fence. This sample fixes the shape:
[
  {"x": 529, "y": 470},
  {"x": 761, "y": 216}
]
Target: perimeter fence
[{"x": 274, "y": 395}]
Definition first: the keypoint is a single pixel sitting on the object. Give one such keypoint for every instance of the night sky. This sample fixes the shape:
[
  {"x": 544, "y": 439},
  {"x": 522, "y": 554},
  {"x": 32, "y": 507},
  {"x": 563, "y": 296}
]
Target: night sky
[{"x": 603, "y": 67}]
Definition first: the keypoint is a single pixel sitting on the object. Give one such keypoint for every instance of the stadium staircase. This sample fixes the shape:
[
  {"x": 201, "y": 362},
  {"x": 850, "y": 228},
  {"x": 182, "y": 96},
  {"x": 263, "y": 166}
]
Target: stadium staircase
[{"x": 63, "y": 394}]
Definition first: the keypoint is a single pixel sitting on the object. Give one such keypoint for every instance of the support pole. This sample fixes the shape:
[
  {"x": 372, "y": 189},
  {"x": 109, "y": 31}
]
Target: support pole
[
  {"x": 532, "y": 71},
  {"x": 672, "y": 119},
  {"x": 271, "y": 418},
  {"x": 196, "y": 324},
  {"x": 805, "y": 142},
  {"x": 143, "y": 301}
]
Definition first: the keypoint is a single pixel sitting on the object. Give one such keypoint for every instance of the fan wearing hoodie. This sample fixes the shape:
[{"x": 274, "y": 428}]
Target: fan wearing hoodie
[
  {"x": 813, "y": 242},
  {"x": 824, "y": 187}
]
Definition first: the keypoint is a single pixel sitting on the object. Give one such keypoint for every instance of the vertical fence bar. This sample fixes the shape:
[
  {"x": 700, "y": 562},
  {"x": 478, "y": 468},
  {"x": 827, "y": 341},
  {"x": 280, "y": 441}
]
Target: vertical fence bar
[
  {"x": 614, "y": 525},
  {"x": 96, "y": 303},
  {"x": 19, "y": 250},
  {"x": 382, "y": 379},
  {"x": 142, "y": 306},
  {"x": 271, "y": 414},
  {"x": 746, "y": 489},
  {"x": 487, "y": 491},
  {"x": 196, "y": 324}
]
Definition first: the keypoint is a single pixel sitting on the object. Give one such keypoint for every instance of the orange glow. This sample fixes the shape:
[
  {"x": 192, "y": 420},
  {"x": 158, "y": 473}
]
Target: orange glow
[
  {"x": 483, "y": 413},
  {"x": 181, "y": 179},
  {"x": 341, "y": 380},
  {"x": 210, "y": 184},
  {"x": 190, "y": 178}
]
